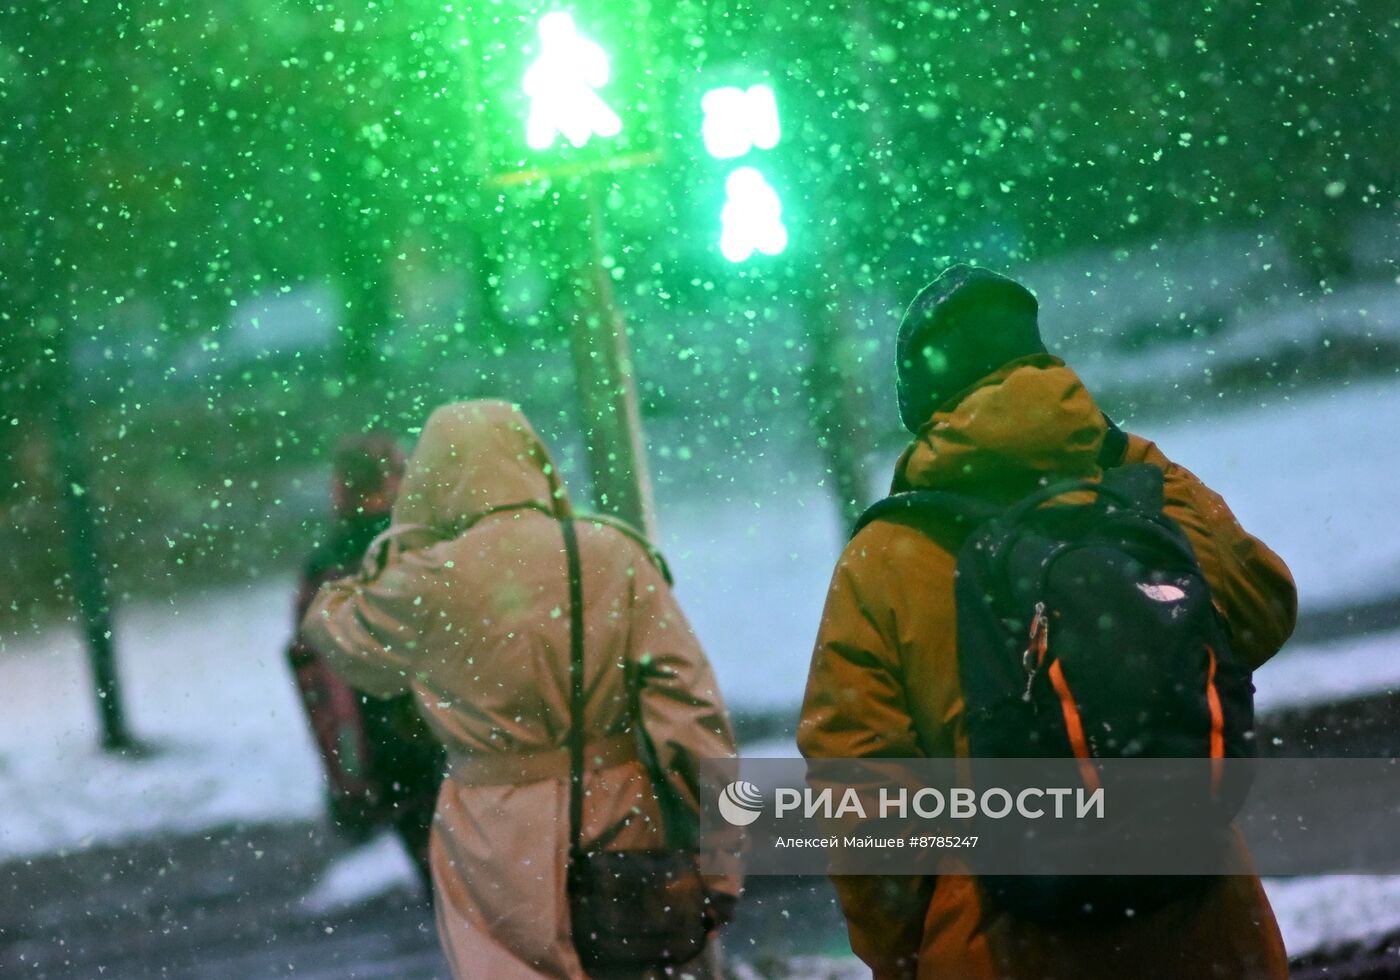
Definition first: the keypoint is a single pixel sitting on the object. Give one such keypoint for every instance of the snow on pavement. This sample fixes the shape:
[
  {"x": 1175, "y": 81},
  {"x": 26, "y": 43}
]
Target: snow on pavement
[
  {"x": 1329, "y": 672},
  {"x": 1313, "y": 476},
  {"x": 752, "y": 577},
  {"x": 381, "y": 866},
  {"x": 1333, "y": 911},
  {"x": 206, "y": 684}
]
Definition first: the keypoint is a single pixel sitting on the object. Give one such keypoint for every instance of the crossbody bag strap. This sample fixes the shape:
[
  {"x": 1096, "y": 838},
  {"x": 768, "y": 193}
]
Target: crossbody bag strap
[
  {"x": 679, "y": 827},
  {"x": 576, "y": 699}
]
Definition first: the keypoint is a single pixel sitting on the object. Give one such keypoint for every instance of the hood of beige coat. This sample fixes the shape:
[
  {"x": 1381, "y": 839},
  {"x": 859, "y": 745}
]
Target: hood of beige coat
[
  {"x": 1030, "y": 420},
  {"x": 472, "y": 459}
]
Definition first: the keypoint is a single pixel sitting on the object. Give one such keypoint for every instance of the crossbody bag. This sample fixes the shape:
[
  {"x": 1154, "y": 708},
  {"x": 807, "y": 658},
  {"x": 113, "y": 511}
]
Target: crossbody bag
[{"x": 630, "y": 909}]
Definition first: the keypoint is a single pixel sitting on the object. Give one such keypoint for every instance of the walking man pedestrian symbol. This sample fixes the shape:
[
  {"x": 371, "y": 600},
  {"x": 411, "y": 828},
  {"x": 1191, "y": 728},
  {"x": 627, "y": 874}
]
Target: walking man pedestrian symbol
[{"x": 562, "y": 84}]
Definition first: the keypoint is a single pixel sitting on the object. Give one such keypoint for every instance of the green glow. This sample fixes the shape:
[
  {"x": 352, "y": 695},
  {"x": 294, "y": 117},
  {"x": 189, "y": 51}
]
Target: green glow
[
  {"x": 562, "y": 84},
  {"x": 752, "y": 218},
  {"x": 739, "y": 120}
]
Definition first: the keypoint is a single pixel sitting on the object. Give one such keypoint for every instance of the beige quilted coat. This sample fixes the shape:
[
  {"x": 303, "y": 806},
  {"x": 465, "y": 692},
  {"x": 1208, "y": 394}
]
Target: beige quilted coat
[{"x": 465, "y": 602}]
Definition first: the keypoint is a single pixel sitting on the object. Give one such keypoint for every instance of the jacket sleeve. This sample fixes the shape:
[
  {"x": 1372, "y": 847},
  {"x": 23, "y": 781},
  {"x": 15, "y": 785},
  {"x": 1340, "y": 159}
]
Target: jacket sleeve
[
  {"x": 368, "y": 626},
  {"x": 1251, "y": 584},
  {"x": 682, "y": 714},
  {"x": 855, "y": 708},
  {"x": 298, "y": 650}
]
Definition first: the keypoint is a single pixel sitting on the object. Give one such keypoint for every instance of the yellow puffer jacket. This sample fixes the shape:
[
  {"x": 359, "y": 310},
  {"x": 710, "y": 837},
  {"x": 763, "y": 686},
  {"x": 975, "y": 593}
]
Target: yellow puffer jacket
[{"x": 884, "y": 683}]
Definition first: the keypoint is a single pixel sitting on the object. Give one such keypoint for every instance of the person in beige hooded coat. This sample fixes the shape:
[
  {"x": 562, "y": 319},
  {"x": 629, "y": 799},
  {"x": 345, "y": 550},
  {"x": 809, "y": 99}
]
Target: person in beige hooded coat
[{"x": 465, "y": 602}]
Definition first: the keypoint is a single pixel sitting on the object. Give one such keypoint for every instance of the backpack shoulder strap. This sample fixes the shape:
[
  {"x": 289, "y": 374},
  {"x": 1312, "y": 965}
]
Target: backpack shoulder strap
[
  {"x": 957, "y": 507},
  {"x": 1115, "y": 446}
]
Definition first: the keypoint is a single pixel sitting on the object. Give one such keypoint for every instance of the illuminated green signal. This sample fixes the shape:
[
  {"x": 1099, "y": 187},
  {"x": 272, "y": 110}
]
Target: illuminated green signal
[
  {"x": 752, "y": 218},
  {"x": 562, "y": 84},
  {"x": 739, "y": 120}
]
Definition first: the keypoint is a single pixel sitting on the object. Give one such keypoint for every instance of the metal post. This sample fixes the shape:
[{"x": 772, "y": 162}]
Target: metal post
[
  {"x": 55, "y": 385},
  {"x": 612, "y": 424},
  {"x": 838, "y": 399},
  {"x": 840, "y": 403}
]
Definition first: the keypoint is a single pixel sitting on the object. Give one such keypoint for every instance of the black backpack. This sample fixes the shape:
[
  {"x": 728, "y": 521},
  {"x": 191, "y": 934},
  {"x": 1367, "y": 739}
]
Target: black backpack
[{"x": 1086, "y": 630}]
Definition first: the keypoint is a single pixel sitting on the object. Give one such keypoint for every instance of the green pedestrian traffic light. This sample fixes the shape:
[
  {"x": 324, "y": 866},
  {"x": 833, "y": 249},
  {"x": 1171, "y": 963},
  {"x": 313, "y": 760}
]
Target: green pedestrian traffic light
[
  {"x": 738, "y": 122},
  {"x": 563, "y": 84},
  {"x": 556, "y": 91}
]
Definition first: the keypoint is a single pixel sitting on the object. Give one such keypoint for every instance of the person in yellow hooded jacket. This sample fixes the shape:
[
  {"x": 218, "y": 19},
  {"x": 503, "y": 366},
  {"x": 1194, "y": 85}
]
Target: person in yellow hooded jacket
[
  {"x": 995, "y": 416},
  {"x": 465, "y": 603}
]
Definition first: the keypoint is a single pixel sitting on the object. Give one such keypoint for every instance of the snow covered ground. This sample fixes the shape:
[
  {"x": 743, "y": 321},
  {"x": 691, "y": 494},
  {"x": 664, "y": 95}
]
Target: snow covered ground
[
  {"x": 1329, "y": 671},
  {"x": 207, "y": 683},
  {"x": 1124, "y": 317},
  {"x": 1314, "y": 476},
  {"x": 378, "y": 867},
  {"x": 1334, "y": 911}
]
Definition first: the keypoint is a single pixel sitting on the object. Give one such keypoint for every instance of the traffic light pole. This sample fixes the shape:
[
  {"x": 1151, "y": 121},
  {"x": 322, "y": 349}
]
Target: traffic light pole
[
  {"x": 838, "y": 399},
  {"x": 612, "y": 425}
]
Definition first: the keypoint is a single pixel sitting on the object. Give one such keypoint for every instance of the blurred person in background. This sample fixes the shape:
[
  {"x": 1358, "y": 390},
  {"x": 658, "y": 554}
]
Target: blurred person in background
[
  {"x": 383, "y": 766},
  {"x": 480, "y": 599}
]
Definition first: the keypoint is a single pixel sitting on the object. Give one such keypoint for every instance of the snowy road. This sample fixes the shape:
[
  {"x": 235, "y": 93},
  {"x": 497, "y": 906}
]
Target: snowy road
[{"x": 233, "y": 905}]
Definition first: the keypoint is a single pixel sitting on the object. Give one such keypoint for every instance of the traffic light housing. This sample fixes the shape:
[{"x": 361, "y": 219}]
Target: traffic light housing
[
  {"x": 559, "y": 90},
  {"x": 739, "y": 125}
]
